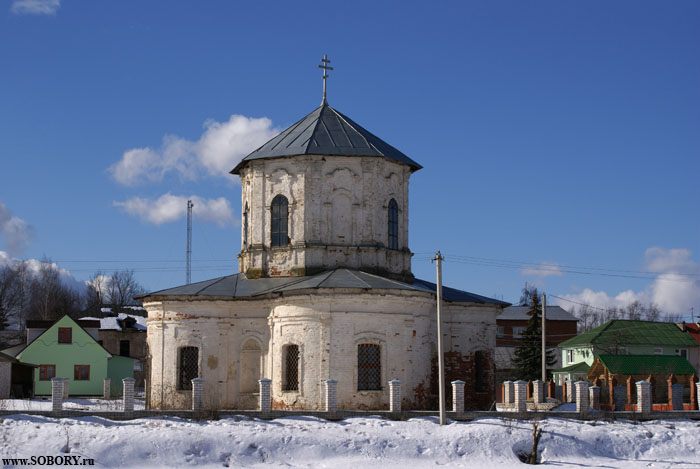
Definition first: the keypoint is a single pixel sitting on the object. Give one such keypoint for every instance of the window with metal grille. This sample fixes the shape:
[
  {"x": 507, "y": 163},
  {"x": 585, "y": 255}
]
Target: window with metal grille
[
  {"x": 393, "y": 224},
  {"x": 189, "y": 367},
  {"x": 65, "y": 335},
  {"x": 46, "y": 372},
  {"x": 480, "y": 382},
  {"x": 124, "y": 348},
  {"x": 279, "y": 217},
  {"x": 245, "y": 227},
  {"x": 369, "y": 367},
  {"x": 81, "y": 372},
  {"x": 291, "y": 370}
]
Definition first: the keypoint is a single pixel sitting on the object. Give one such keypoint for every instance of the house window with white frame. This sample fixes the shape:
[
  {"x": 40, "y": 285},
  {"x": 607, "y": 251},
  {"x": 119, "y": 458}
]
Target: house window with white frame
[
  {"x": 500, "y": 330},
  {"x": 570, "y": 356},
  {"x": 682, "y": 352},
  {"x": 518, "y": 332},
  {"x": 658, "y": 351}
]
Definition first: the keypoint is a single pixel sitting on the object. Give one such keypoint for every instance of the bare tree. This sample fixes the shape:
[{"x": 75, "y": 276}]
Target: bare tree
[
  {"x": 123, "y": 287},
  {"x": 9, "y": 295},
  {"x": 50, "y": 299}
]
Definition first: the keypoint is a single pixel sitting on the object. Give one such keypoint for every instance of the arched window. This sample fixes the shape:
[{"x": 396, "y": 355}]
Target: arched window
[
  {"x": 245, "y": 226},
  {"x": 188, "y": 367},
  {"x": 369, "y": 367},
  {"x": 280, "y": 212},
  {"x": 393, "y": 224}
]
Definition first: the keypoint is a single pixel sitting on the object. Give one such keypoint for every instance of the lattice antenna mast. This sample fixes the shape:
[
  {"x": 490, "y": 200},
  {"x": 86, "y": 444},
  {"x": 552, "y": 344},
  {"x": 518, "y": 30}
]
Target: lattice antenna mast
[
  {"x": 189, "y": 242},
  {"x": 325, "y": 68}
]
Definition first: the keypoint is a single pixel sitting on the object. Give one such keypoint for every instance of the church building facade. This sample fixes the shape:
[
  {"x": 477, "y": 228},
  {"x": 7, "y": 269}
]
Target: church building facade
[{"x": 324, "y": 289}]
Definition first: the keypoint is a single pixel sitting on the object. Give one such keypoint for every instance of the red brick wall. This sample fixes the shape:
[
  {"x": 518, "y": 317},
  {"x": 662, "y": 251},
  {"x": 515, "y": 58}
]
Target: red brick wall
[{"x": 557, "y": 332}]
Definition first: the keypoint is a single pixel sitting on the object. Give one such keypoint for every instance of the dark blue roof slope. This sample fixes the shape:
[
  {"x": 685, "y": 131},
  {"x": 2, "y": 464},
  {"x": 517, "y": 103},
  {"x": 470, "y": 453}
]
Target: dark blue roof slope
[
  {"x": 326, "y": 132},
  {"x": 239, "y": 286}
]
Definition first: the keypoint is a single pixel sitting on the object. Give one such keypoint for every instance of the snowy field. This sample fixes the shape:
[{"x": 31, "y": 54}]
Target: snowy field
[{"x": 353, "y": 443}]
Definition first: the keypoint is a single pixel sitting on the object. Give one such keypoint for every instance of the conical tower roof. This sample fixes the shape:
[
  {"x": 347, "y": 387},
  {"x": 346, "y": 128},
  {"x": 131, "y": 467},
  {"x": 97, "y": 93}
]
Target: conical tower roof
[{"x": 326, "y": 132}]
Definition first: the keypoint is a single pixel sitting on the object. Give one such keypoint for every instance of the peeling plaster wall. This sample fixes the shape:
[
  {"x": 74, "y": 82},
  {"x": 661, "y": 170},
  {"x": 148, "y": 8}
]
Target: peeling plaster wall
[
  {"x": 338, "y": 215},
  {"x": 327, "y": 325}
]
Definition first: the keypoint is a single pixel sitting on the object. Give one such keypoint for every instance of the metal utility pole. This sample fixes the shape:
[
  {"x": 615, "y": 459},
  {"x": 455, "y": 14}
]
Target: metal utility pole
[
  {"x": 544, "y": 338},
  {"x": 441, "y": 365},
  {"x": 189, "y": 242}
]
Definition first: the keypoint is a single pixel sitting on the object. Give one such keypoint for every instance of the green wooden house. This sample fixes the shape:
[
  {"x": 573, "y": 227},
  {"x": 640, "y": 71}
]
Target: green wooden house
[
  {"x": 67, "y": 350},
  {"x": 624, "y": 337}
]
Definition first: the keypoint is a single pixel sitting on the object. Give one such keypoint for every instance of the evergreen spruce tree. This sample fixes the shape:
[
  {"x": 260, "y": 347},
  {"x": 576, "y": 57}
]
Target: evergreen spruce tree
[{"x": 528, "y": 356}]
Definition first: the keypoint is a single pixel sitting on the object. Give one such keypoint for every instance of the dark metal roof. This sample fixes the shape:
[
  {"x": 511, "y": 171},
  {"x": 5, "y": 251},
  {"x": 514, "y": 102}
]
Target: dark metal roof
[
  {"x": 519, "y": 313},
  {"x": 239, "y": 286},
  {"x": 326, "y": 132}
]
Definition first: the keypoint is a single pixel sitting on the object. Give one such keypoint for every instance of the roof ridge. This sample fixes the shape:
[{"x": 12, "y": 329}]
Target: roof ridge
[
  {"x": 347, "y": 121},
  {"x": 358, "y": 278}
]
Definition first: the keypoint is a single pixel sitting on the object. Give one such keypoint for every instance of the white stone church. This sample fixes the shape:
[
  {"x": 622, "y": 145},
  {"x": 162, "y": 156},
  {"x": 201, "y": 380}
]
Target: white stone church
[{"x": 324, "y": 289}]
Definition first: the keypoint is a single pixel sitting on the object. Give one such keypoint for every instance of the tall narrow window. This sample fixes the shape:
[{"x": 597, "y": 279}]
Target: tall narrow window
[
  {"x": 291, "y": 369},
  {"x": 480, "y": 381},
  {"x": 369, "y": 367},
  {"x": 245, "y": 227},
  {"x": 124, "y": 348},
  {"x": 393, "y": 224},
  {"x": 189, "y": 367},
  {"x": 279, "y": 221}
]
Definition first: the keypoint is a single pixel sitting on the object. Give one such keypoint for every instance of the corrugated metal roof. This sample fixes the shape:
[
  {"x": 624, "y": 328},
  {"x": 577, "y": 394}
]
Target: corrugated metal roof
[
  {"x": 646, "y": 364},
  {"x": 627, "y": 332},
  {"x": 239, "y": 286},
  {"x": 519, "y": 313},
  {"x": 326, "y": 132}
]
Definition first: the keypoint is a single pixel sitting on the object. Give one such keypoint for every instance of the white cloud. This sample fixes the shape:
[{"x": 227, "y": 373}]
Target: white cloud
[
  {"x": 675, "y": 289},
  {"x": 35, "y": 7},
  {"x": 220, "y": 147},
  {"x": 168, "y": 208},
  {"x": 542, "y": 270},
  {"x": 16, "y": 232},
  {"x": 34, "y": 266}
]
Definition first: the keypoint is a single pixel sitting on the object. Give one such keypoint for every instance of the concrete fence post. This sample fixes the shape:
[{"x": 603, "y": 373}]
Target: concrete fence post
[
  {"x": 395, "y": 395},
  {"x": 56, "y": 394},
  {"x": 538, "y": 392},
  {"x": 128, "y": 395},
  {"x": 677, "y": 396},
  {"x": 458, "y": 396},
  {"x": 66, "y": 385},
  {"x": 331, "y": 395},
  {"x": 107, "y": 389},
  {"x": 594, "y": 397},
  {"x": 508, "y": 392},
  {"x": 582, "y": 398},
  {"x": 520, "y": 396},
  {"x": 644, "y": 397},
  {"x": 197, "y": 394},
  {"x": 697, "y": 395},
  {"x": 265, "y": 397}
]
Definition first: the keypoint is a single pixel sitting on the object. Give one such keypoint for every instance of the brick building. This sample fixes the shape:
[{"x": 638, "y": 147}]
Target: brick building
[{"x": 560, "y": 326}]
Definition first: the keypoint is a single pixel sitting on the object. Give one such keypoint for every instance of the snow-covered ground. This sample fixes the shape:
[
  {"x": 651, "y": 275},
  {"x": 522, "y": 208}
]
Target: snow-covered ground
[
  {"x": 353, "y": 443},
  {"x": 74, "y": 403}
]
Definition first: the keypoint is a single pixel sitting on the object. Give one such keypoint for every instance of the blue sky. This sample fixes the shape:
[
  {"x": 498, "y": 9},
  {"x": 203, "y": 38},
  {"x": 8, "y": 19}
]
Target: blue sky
[{"x": 559, "y": 140}]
